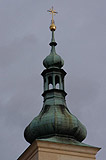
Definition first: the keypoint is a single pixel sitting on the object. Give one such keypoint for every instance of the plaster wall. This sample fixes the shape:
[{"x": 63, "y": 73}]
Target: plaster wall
[{"x": 43, "y": 150}]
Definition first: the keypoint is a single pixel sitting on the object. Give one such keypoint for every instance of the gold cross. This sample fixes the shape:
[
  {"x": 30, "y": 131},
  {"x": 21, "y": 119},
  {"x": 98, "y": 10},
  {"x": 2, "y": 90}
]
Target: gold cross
[{"x": 53, "y": 12}]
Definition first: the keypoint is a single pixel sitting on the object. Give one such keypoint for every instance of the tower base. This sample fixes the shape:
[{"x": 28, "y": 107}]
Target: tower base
[{"x": 46, "y": 149}]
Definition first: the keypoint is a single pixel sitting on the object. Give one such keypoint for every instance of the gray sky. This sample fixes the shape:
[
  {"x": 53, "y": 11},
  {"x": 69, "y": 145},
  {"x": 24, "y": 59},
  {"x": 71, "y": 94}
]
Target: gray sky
[{"x": 24, "y": 39}]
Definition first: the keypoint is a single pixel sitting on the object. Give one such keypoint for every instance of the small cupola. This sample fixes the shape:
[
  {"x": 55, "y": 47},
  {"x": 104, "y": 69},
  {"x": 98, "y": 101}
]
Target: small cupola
[{"x": 53, "y": 60}]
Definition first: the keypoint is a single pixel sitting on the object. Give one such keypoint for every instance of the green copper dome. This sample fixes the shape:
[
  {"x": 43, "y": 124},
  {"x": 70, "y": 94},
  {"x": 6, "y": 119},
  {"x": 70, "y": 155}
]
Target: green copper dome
[
  {"x": 53, "y": 60},
  {"x": 55, "y": 120}
]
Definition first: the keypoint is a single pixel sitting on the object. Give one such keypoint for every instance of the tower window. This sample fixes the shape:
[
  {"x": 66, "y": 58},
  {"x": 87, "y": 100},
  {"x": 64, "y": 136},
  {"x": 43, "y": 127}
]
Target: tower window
[
  {"x": 50, "y": 82},
  {"x": 57, "y": 82},
  {"x": 50, "y": 86}
]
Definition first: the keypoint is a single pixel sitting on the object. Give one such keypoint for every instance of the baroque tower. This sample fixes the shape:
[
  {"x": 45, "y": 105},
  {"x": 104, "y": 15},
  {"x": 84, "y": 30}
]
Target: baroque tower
[{"x": 56, "y": 133}]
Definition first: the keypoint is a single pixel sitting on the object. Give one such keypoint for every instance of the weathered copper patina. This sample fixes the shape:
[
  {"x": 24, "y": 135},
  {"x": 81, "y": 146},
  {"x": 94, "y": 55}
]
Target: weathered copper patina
[{"x": 55, "y": 120}]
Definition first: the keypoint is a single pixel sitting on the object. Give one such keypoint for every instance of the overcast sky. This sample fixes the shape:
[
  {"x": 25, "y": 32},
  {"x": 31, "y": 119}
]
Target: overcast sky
[{"x": 24, "y": 43}]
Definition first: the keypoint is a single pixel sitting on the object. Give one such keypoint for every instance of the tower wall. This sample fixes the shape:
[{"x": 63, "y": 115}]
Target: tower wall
[{"x": 44, "y": 150}]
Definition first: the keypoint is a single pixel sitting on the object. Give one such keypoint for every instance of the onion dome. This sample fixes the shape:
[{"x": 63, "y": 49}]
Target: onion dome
[
  {"x": 53, "y": 60},
  {"x": 55, "y": 120}
]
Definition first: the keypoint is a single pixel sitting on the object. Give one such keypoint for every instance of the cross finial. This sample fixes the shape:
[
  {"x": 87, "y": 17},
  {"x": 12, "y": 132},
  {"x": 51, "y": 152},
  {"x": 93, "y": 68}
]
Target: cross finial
[{"x": 53, "y": 12}]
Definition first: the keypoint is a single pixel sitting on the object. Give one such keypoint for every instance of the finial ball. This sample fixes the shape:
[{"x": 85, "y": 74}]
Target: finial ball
[{"x": 52, "y": 27}]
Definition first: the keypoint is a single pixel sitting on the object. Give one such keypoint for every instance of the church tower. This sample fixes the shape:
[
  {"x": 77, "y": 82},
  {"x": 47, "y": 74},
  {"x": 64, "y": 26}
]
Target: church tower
[{"x": 56, "y": 134}]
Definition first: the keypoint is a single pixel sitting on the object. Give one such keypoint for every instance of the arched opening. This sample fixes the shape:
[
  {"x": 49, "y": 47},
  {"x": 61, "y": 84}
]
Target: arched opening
[
  {"x": 57, "y": 83},
  {"x": 50, "y": 86},
  {"x": 57, "y": 86},
  {"x": 50, "y": 82}
]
